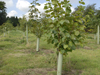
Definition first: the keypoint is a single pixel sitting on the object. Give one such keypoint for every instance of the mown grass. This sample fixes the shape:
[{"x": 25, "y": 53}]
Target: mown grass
[{"x": 19, "y": 58}]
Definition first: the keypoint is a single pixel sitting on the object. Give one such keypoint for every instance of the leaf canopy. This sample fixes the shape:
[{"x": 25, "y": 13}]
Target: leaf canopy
[{"x": 65, "y": 29}]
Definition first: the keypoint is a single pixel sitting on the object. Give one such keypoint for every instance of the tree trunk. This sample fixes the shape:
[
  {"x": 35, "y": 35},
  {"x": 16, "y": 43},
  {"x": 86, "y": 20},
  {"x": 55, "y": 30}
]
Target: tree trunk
[
  {"x": 23, "y": 34},
  {"x": 4, "y": 34},
  {"x": 27, "y": 33},
  {"x": 95, "y": 36},
  {"x": 98, "y": 34},
  {"x": 59, "y": 65},
  {"x": 4, "y": 30},
  {"x": 38, "y": 41}
]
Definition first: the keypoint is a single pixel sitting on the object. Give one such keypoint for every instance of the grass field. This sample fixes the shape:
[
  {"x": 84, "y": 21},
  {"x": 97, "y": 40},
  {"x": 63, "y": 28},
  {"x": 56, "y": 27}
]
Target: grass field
[{"x": 19, "y": 58}]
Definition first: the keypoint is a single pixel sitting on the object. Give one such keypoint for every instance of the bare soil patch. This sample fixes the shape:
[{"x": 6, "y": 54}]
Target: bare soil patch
[
  {"x": 47, "y": 51},
  {"x": 87, "y": 48},
  {"x": 17, "y": 54},
  {"x": 73, "y": 72},
  {"x": 36, "y": 71}
]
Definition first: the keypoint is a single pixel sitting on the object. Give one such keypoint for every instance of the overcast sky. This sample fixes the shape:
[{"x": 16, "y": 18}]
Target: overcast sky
[{"x": 21, "y": 7}]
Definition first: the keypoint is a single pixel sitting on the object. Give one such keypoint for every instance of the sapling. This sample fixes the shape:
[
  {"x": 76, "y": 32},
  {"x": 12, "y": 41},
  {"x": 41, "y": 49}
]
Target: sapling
[
  {"x": 96, "y": 22},
  {"x": 27, "y": 33},
  {"x": 24, "y": 27},
  {"x": 65, "y": 29},
  {"x": 4, "y": 29},
  {"x": 27, "y": 30},
  {"x": 36, "y": 21},
  {"x": 97, "y": 34},
  {"x": 37, "y": 29},
  {"x": 7, "y": 26}
]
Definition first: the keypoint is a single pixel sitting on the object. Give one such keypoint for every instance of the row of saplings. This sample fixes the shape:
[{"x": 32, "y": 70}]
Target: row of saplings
[{"x": 64, "y": 30}]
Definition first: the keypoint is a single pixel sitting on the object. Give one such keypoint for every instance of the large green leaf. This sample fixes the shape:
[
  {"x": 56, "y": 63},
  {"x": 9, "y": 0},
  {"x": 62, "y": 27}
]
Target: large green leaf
[
  {"x": 65, "y": 46},
  {"x": 63, "y": 21},
  {"x": 76, "y": 33}
]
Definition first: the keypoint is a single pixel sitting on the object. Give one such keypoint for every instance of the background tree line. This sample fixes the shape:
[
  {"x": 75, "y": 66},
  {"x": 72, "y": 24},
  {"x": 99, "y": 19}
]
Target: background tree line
[{"x": 3, "y": 16}]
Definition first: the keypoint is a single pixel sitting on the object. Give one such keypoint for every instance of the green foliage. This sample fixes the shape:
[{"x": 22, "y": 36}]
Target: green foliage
[
  {"x": 13, "y": 20},
  {"x": 3, "y": 13},
  {"x": 23, "y": 23},
  {"x": 65, "y": 29},
  {"x": 37, "y": 20},
  {"x": 33, "y": 12},
  {"x": 36, "y": 28},
  {"x": 94, "y": 22},
  {"x": 91, "y": 11},
  {"x": 6, "y": 26}
]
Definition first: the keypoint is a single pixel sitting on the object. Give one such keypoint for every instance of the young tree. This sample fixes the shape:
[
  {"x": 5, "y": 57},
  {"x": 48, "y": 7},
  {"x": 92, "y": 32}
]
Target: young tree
[
  {"x": 24, "y": 26},
  {"x": 27, "y": 32},
  {"x": 91, "y": 11},
  {"x": 7, "y": 26},
  {"x": 94, "y": 25},
  {"x": 37, "y": 21},
  {"x": 97, "y": 24},
  {"x": 65, "y": 29},
  {"x": 22, "y": 22}
]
